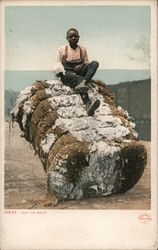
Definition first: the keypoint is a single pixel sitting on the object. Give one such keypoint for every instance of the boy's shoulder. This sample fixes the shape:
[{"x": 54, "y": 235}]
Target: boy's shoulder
[
  {"x": 83, "y": 48},
  {"x": 62, "y": 47}
]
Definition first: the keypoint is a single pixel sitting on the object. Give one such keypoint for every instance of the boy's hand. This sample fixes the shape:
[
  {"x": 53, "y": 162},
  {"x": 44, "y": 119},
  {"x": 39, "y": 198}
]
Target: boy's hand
[{"x": 78, "y": 67}]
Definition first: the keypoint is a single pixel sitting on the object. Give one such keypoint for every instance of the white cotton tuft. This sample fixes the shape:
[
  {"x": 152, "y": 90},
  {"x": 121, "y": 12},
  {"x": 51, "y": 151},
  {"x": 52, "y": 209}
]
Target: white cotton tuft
[
  {"x": 47, "y": 143},
  {"x": 59, "y": 68}
]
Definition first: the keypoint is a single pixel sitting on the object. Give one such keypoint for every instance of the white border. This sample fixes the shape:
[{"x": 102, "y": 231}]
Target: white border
[
  {"x": 77, "y": 3},
  {"x": 83, "y": 229}
]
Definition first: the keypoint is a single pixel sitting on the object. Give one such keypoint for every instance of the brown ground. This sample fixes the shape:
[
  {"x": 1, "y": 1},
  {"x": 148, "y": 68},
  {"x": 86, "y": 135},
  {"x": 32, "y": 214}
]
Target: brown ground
[{"x": 26, "y": 181}]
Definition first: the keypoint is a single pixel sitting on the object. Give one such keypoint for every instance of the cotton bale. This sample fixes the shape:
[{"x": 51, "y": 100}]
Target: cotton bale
[{"x": 83, "y": 156}]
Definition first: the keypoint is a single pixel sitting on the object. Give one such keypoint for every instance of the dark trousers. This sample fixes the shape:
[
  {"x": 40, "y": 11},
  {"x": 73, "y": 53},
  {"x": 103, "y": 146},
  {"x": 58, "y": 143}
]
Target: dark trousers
[{"x": 87, "y": 71}]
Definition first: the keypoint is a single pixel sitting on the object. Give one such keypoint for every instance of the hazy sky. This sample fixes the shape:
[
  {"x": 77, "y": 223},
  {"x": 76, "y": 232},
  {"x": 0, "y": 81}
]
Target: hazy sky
[{"x": 117, "y": 36}]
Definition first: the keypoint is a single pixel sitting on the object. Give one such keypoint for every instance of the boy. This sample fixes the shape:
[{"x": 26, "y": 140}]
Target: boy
[{"x": 77, "y": 71}]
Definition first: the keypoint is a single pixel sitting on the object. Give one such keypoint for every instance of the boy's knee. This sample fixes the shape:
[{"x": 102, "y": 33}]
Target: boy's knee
[{"x": 95, "y": 64}]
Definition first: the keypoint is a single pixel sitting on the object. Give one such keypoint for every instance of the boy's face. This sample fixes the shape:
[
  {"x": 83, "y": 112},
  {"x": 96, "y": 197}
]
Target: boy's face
[{"x": 73, "y": 38}]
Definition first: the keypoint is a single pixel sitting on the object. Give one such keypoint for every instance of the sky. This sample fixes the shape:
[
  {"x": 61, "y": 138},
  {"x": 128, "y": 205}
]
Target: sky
[{"x": 118, "y": 37}]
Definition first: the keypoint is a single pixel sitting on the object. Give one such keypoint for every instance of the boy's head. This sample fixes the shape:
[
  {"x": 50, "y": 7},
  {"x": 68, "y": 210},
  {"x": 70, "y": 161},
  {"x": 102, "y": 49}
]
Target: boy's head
[{"x": 72, "y": 36}]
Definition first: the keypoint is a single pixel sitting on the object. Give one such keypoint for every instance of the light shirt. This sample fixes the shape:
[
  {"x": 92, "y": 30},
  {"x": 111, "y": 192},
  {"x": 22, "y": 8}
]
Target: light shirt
[{"x": 72, "y": 54}]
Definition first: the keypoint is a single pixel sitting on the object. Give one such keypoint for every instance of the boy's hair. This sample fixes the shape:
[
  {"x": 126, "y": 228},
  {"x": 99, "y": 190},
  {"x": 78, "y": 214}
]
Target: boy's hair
[{"x": 73, "y": 30}]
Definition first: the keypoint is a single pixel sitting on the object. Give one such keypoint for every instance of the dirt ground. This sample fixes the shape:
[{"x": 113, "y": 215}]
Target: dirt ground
[{"x": 26, "y": 181}]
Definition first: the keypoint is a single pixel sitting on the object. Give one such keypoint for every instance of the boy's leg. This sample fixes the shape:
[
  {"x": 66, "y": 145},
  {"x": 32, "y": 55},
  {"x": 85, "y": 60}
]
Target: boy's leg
[
  {"x": 71, "y": 79},
  {"x": 88, "y": 70},
  {"x": 90, "y": 106}
]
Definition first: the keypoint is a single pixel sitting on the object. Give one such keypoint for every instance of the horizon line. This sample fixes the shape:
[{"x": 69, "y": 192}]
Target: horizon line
[{"x": 54, "y": 70}]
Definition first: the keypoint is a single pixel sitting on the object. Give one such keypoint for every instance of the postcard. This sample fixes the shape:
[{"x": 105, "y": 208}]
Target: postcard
[{"x": 78, "y": 125}]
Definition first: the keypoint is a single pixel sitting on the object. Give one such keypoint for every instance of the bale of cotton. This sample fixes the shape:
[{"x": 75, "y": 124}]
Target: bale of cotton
[{"x": 84, "y": 156}]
